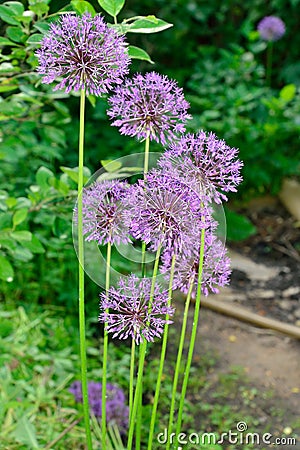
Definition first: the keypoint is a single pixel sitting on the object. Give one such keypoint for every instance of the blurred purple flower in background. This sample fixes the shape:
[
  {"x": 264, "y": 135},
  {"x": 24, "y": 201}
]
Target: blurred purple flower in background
[
  {"x": 85, "y": 52},
  {"x": 271, "y": 28},
  {"x": 149, "y": 105},
  {"x": 127, "y": 311},
  {"x": 207, "y": 163},
  {"x": 103, "y": 212},
  {"x": 116, "y": 410}
]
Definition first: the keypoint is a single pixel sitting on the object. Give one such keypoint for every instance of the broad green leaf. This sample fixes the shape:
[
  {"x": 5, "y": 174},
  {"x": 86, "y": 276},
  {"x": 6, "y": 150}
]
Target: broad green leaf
[
  {"x": 16, "y": 7},
  {"x": 5, "y": 41},
  {"x": 73, "y": 173},
  {"x": 110, "y": 165},
  {"x": 83, "y": 7},
  {"x": 11, "y": 202},
  {"x": 39, "y": 8},
  {"x": 21, "y": 235},
  {"x": 288, "y": 92},
  {"x": 25, "y": 433},
  {"x": 19, "y": 216},
  {"x": 34, "y": 245},
  {"x": 149, "y": 24},
  {"x": 42, "y": 177},
  {"x": 8, "y": 15},
  {"x": 15, "y": 34},
  {"x": 112, "y": 7},
  {"x": 6, "y": 270},
  {"x": 22, "y": 254},
  {"x": 35, "y": 39},
  {"x": 139, "y": 53}
]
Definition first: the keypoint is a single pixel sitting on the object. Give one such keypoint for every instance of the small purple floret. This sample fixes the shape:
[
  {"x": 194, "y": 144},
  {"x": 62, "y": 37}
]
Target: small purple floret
[
  {"x": 85, "y": 53},
  {"x": 149, "y": 105},
  {"x": 271, "y": 28}
]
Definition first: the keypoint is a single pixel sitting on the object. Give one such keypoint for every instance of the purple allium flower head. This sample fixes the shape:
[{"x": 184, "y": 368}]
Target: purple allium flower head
[
  {"x": 104, "y": 213},
  {"x": 216, "y": 267},
  {"x": 149, "y": 105},
  {"x": 116, "y": 410},
  {"x": 271, "y": 28},
  {"x": 210, "y": 165},
  {"x": 85, "y": 52},
  {"x": 164, "y": 211},
  {"x": 127, "y": 311}
]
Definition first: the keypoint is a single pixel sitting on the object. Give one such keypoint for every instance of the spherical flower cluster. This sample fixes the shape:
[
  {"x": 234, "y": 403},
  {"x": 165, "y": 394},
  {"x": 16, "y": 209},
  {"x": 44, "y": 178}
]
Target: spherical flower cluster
[
  {"x": 164, "y": 211},
  {"x": 116, "y": 410},
  {"x": 271, "y": 28},
  {"x": 215, "y": 271},
  {"x": 104, "y": 213},
  {"x": 85, "y": 53},
  {"x": 129, "y": 310},
  {"x": 151, "y": 106},
  {"x": 210, "y": 165}
]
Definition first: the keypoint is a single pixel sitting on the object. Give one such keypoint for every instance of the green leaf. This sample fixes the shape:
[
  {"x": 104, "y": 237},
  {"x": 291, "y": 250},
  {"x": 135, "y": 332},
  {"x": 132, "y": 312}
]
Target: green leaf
[
  {"x": 15, "y": 34},
  {"x": 39, "y": 8},
  {"x": 22, "y": 254},
  {"x": 5, "y": 41},
  {"x": 288, "y": 92},
  {"x": 149, "y": 24},
  {"x": 238, "y": 227},
  {"x": 110, "y": 165},
  {"x": 73, "y": 173},
  {"x": 34, "y": 245},
  {"x": 16, "y": 7},
  {"x": 42, "y": 177},
  {"x": 6, "y": 270},
  {"x": 82, "y": 7},
  {"x": 112, "y": 7},
  {"x": 25, "y": 433},
  {"x": 21, "y": 235},
  {"x": 139, "y": 53},
  {"x": 35, "y": 39},
  {"x": 19, "y": 216},
  {"x": 8, "y": 15}
]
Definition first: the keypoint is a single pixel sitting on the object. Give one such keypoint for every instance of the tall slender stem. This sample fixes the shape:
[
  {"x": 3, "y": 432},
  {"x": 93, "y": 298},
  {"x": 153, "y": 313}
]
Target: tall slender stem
[
  {"x": 81, "y": 305},
  {"x": 131, "y": 379},
  {"x": 140, "y": 405},
  {"x": 142, "y": 355},
  {"x": 105, "y": 353},
  {"x": 178, "y": 361},
  {"x": 162, "y": 358},
  {"x": 146, "y": 158},
  {"x": 193, "y": 334}
]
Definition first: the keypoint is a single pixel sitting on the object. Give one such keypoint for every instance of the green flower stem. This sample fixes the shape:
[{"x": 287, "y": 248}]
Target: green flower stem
[
  {"x": 162, "y": 359},
  {"x": 146, "y": 159},
  {"x": 105, "y": 353},
  {"x": 131, "y": 379},
  {"x": 193, "y": 334},
  {"x": 178, "y": 362},
  {"x": 269, "y": 63},
  {"x": 142, "y": 355},
  {"x": 81, "y": 305},
  {"x": 139, "y": 417}
]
